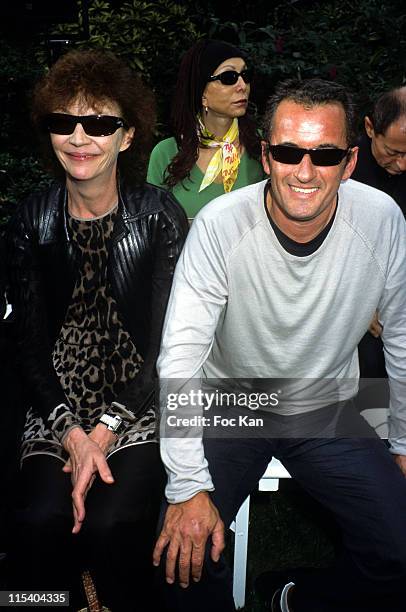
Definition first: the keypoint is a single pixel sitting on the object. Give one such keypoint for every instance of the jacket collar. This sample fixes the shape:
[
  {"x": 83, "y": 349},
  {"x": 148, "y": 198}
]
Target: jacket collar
[{"x": 133, "y": 203}]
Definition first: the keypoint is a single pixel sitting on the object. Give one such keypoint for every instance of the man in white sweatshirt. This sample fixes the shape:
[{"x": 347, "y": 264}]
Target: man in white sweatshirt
[{"x": 279, "y": 280}]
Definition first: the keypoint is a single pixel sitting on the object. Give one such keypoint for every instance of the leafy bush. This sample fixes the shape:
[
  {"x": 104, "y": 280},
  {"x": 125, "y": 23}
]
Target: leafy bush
[
  {"x": 19, "y": 176},
  {"x": 20, "y": 172},
  {"x": 362, "y": 45},
  {"x": 148, "y": 34}
]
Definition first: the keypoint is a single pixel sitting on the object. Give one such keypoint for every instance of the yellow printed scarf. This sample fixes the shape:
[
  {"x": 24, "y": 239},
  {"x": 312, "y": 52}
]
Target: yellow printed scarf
[{"x": 226, "y": 160}]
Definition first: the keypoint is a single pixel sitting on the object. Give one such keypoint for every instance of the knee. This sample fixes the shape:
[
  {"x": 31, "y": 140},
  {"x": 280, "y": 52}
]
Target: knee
[
  {"x": 115, "y": 520},
  {"x": 100, "y": 525},
  {"x": 43, "y": 518},
  {"x": 109, "y": 523},
  {"x": 387, "y": 562},
  {"x": 394, "y": 563},
  {"x": 108, "y": 527}
]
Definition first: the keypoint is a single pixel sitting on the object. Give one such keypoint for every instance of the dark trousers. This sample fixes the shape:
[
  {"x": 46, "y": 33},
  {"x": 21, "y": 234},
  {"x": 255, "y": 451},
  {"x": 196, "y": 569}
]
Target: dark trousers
[
  {"x": 116, "y": 539},
  {"x": 371, "y": 357},
  {"x": 357, "y": 480}
]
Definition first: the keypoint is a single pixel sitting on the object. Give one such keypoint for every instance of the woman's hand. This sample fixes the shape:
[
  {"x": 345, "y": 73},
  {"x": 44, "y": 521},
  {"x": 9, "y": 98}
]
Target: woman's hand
[
  {"x": 86, "y": 458},
  {"x": 103, "y": 437}
]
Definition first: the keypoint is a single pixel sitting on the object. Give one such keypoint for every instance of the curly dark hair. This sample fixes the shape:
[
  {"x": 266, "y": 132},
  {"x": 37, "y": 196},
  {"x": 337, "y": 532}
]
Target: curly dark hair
[
  {"x": 310, "y": 93},
  {"x": 97, "y": 77},
  {"x": 187, "y": 103}
]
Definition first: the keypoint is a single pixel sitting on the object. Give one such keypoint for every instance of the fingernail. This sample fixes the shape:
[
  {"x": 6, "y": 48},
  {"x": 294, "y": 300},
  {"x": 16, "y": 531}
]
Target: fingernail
[
  {"x": 169, "y": 580},
  {"x": 183, "y": 585}
]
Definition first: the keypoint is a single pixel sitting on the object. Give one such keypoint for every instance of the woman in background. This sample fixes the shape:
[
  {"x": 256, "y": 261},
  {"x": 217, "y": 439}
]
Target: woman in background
[
  {"x": 91, "y": 263},
  {"x": 216, "y": 147}
]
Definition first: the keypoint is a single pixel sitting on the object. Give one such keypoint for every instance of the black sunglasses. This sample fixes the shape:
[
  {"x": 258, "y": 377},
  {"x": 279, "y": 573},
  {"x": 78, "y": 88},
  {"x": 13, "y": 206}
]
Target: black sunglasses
[
  {"x": 93, "y": 125},
  {"x": 286, "y": 154},
  {"x": 230, "y": 77}
]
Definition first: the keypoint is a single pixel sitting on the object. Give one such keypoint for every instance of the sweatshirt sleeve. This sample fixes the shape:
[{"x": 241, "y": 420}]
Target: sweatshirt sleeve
[
  {"x": 198, "y": 296},
  {"x": 392, "y": 314}
]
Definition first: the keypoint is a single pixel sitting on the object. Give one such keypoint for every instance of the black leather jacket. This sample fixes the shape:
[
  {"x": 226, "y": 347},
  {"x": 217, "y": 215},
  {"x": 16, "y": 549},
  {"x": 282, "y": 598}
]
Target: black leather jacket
[{"x": 148, "y": 236}]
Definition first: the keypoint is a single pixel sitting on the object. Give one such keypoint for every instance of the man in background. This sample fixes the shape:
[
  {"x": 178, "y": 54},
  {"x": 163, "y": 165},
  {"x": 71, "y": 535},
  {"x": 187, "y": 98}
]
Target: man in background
[
  {"x": 382, "y": 149},
  {"x": 382, "y": 164}
]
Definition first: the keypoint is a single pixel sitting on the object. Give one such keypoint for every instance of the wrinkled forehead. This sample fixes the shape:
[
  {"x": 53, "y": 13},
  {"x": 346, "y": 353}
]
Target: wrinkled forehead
[{"x": 395, "y": 135}]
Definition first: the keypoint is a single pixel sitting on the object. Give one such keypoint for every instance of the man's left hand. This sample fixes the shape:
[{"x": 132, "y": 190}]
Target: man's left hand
[
  {"x": 401, "y": 461},
  {"x": 375, "y": 328}
]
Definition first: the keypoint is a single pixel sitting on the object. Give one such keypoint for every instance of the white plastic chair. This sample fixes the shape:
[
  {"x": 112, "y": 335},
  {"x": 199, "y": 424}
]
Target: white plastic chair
[{"x": 268, "y": 482}]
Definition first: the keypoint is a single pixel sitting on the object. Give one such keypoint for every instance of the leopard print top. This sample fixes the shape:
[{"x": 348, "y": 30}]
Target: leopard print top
[{"x": 94, "y": 355}]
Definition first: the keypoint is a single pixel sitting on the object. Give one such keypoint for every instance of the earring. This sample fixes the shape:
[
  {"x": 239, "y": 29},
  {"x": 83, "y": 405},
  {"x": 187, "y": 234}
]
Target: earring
[{"x": 206, "y": 109}]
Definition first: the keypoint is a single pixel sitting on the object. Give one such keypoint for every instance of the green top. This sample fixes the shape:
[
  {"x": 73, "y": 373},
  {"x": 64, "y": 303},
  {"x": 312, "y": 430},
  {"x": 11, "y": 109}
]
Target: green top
[{"x": 187, "y": 192}]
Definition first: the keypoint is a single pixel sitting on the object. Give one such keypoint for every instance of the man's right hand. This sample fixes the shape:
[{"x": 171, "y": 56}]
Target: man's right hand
[{"x": 186, "y": 529}]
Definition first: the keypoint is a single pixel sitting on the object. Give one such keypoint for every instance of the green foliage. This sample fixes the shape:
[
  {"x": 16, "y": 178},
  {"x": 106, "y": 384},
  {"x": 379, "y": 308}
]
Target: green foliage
[
  {"x": 20, "y": 172},
  {"x": 19, "y": 176},
  {"x": 362, "y": 45},
  {"x": 18, "y": 72},
  {"x": 150, "y": 36},
  {"x": 143, "y": 32}
]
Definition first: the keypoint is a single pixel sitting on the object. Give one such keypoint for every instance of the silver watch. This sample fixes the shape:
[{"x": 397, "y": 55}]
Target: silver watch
[{"x": 113, "y": 423}]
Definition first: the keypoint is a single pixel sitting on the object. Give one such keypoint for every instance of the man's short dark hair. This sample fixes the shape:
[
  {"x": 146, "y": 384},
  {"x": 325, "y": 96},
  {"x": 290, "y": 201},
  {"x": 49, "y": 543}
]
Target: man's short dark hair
[
  {"x": 388, "y": 108},
  {"x": 310, "y": 93}
]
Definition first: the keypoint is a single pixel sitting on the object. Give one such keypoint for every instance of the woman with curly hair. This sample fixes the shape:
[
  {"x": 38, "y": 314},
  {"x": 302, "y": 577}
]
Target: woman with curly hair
[
  {"x": 91, "y": 262},
  {"x": 216, "y": 147}
]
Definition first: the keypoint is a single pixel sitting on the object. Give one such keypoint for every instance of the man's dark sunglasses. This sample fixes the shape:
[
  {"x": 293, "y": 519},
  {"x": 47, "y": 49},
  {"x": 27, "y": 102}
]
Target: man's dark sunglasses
[
  {"x": 230, "y": 77},
  {"x": 286, "y": 154},
  {"x": 93, "y": 125}
]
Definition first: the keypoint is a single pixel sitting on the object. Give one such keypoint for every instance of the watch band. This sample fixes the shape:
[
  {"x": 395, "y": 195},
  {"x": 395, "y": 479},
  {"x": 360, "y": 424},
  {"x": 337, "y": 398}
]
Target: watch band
[{"x": 113, "y": 423}]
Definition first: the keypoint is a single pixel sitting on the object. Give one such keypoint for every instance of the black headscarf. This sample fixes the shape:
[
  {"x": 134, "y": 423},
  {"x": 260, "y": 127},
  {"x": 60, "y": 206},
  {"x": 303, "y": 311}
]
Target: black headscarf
[{"x": 214, "y": 54}]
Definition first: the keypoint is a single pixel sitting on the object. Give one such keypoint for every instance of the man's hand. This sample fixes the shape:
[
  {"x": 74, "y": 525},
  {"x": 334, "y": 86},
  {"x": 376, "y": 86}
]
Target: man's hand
[
  {"x": 186, "y": 529},
  {"x": 401, "y": 461},
  {"x": 86, "y": 458},
  {"x": 375, "y": 328}
]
